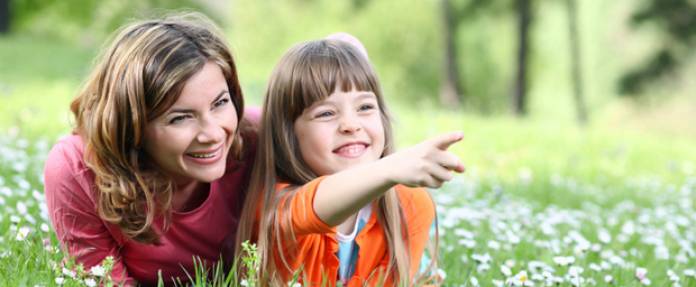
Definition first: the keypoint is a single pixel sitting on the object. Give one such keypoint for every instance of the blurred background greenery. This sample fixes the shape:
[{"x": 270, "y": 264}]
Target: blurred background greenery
[{"x": 522, "y": 78}]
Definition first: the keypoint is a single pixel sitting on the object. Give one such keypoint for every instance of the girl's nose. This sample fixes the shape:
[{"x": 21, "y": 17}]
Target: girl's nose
[{"x": 349, "y": 124}]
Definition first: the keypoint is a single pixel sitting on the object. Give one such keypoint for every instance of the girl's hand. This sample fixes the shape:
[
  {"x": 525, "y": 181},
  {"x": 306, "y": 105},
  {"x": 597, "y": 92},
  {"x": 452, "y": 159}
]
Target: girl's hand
[{"x": 427, "y": 164}]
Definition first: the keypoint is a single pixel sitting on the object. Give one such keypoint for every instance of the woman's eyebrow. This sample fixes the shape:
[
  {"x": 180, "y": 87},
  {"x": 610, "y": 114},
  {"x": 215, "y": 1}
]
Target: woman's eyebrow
[
  {"x": 220, "y": 95},
  {"x": 184, "y": 111}
]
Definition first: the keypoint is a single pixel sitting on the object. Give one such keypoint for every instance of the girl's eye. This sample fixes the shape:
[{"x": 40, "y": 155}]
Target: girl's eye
[
  {"x": 367, "y": 107},
  {"x": 178, "y": 119},
  {"x": 221, "y": 102},
  {"x": 323, "y": 114}
]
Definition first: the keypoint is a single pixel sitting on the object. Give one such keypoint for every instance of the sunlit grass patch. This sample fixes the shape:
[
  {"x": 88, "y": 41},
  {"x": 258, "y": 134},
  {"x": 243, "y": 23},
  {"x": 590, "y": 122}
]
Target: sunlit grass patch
[
  {"x": 494, "y": 237},
  {"x": 508, "y": 224}
]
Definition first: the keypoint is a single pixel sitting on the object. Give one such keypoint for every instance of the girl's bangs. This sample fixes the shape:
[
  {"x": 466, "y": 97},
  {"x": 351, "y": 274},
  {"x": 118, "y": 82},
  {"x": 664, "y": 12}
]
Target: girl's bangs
[{"x": 326, "y": 67}]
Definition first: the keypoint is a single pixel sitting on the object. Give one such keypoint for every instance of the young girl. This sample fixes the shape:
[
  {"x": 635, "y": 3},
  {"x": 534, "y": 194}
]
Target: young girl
[{"x": 331, "y": 200}]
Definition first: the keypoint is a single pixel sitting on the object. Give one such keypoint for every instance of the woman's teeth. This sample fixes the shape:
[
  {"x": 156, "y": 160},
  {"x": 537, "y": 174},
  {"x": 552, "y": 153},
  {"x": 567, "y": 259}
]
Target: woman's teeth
[{"x": 202, "y": 155}]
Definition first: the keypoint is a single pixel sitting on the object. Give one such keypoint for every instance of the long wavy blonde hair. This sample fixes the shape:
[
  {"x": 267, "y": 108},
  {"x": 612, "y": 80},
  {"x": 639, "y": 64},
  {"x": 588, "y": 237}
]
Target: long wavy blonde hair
[
  {"x": 307, "y": 73},
  {"x": 138, "y": 77}
]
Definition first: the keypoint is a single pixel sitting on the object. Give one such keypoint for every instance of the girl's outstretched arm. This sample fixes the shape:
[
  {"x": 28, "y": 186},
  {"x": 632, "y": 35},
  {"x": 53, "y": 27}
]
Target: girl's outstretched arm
[{"x": 427, "y": 164}]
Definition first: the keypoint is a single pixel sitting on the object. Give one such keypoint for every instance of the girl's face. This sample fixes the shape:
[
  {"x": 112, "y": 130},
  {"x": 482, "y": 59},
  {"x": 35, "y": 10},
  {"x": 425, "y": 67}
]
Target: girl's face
[
  {"x": 340, "y": 131},
  {"x": 190, "y": 141}
]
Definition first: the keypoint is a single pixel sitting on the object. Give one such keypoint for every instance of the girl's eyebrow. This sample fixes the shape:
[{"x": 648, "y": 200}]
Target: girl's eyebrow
[
  {"x": 184, "y": 111},
  {"x": 366, "y": 95},
  {"x": 316, "y": 105},
  {"x": 324, "y": 101}
]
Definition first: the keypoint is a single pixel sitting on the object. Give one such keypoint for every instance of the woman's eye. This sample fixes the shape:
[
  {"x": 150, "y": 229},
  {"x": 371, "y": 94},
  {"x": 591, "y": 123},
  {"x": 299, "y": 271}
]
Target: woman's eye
[
  {"x": 221, "y": 102},
  {"x": 177, "y": 119}
]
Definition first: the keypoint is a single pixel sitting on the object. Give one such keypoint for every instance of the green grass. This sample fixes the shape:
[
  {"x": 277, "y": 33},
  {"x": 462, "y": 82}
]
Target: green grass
[
  {"x": 38, "y": 79},
  {"x": 519, "y": 175}
]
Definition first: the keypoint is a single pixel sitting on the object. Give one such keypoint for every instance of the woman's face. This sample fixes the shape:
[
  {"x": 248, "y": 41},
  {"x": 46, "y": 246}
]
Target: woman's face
[{"x": 190, "y": 141}]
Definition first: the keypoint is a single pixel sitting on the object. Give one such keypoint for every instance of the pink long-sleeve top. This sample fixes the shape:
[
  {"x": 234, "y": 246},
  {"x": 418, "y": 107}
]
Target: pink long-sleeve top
[{"x": 208, "y": 231}]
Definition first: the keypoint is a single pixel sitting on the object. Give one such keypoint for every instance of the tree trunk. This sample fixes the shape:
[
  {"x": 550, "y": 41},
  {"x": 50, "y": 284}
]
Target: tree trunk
[
  {"x": 4, "y": 16},
  {"x": 520, "y": 94},
  {"x": 575, "y": 55},
  {"x": 450, "y": 91}
]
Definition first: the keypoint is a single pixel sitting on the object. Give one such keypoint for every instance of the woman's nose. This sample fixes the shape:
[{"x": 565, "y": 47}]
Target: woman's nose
[{"x": 210, "y": 131}]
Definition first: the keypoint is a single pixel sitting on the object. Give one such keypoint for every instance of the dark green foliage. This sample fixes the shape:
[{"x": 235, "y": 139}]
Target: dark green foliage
[
  {"x": 661, "y": 64},
  {"x": 478, "y": 42},
  {"x": 676, "y": 19},
  {"x": 73, "y": 19},
  {"x": 4, "y": 16},
  {"x": 466, "y": 10}
]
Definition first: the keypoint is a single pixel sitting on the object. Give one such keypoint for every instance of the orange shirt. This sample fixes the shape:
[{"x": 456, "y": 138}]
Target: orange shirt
[{"x": 316, "y": 246}]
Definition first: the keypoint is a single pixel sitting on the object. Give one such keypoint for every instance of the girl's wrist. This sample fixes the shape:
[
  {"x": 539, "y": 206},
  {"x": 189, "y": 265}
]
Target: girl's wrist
[{"x": 385, "y": 168}]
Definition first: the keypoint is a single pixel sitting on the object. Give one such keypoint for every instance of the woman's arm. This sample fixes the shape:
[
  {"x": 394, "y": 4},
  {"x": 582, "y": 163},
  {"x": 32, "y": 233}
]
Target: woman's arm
[{"x": 73, "y": 212}]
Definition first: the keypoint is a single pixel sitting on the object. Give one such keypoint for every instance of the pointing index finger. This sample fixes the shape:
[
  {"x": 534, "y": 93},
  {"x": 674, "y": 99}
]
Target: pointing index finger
[{"x": 444, "y": 141}]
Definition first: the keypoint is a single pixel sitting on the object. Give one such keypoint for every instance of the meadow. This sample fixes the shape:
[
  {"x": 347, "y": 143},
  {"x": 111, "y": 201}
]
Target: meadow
[{"x": 542, "y": 203}]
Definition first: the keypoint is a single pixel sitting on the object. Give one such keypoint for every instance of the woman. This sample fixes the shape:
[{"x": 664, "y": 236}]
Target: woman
[{"x": 157, "y": 167}]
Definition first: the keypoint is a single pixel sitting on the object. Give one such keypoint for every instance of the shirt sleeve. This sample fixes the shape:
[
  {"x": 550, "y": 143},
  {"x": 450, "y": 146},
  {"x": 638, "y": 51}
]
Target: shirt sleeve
[
  {"x": 419, "y": 209},
  {"x": 304, "y": 219},
  {"x": 82, "y": 234}
]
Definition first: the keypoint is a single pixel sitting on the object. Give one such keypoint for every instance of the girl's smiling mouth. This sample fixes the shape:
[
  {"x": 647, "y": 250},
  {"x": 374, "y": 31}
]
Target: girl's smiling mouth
[{"x": 351, "y": 150}]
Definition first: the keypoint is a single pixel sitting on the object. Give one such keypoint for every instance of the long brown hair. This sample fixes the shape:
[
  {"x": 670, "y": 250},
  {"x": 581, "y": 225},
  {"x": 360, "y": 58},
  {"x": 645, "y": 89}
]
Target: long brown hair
[
  {"x": 138, "y": 77},
  {"x": 307, "y": 73}
]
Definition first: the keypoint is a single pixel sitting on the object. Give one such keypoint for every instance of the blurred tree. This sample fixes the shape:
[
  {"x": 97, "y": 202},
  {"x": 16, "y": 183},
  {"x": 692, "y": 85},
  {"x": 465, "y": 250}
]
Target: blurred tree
[
  {"x": 451, "y": 86},
  {"x": 5, "y": 16},
  {"x": 524, "y": 18},
  {"x": 575, "y": 55},
  {"x": 453, "y": 15},
  {"x": 676, "y": 19},
  {"x": 359, "y": 4}
]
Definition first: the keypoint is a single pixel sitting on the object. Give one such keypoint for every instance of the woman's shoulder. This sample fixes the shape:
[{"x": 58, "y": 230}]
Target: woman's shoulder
[
  {"x": 247, "y": 153},
  {"x": 65, "y": 163},
  {"x": 250, "y": 137},
  {"x": 67, "y": 153},
  {"x": 66, "y": 175}
]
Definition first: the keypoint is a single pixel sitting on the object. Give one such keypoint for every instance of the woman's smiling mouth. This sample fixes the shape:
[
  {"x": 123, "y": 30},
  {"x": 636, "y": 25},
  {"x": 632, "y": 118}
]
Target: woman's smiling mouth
[{"x": 205, "y": 157}]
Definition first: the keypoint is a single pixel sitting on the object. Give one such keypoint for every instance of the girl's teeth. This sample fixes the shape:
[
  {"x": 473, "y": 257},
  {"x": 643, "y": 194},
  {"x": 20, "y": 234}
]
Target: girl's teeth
[{"x": 352, "y": 150}]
